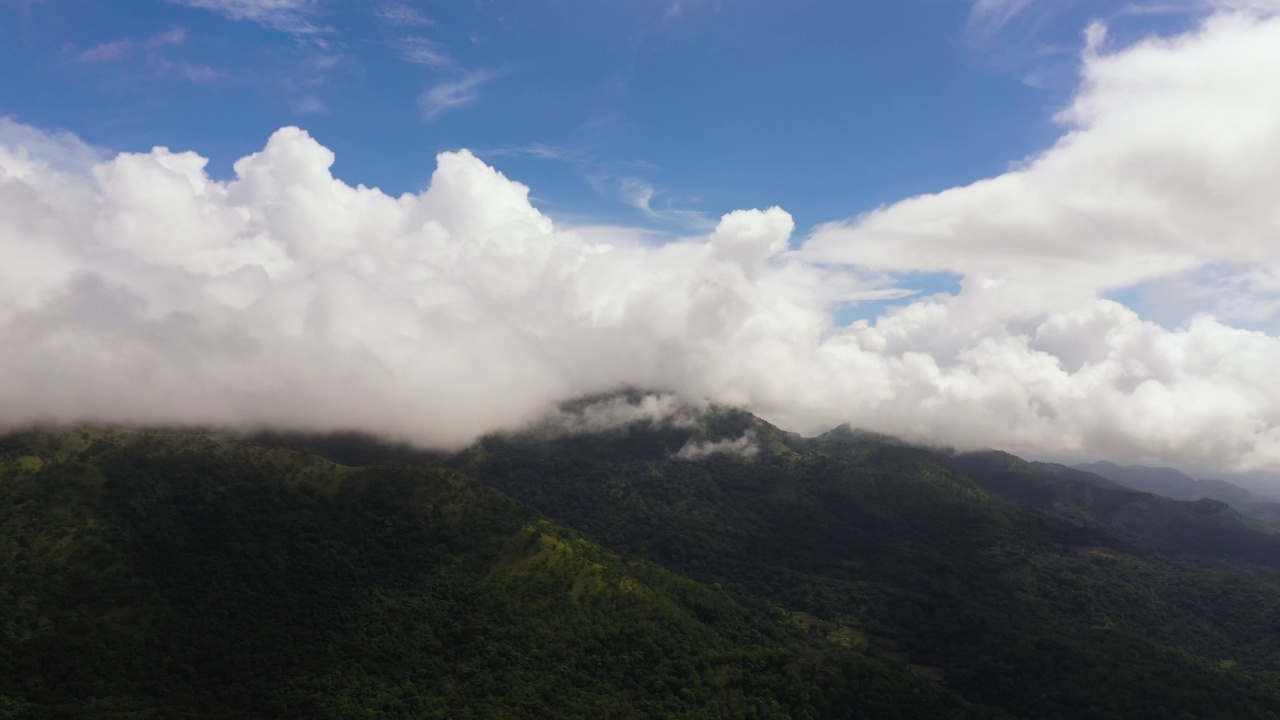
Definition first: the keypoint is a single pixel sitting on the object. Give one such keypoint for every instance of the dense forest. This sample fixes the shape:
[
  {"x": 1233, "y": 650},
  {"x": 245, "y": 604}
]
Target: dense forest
[
  {"x": 709, "y": 566},
  {"x": 1039, "y": 589},
  {"x": 179, "y": 575}
]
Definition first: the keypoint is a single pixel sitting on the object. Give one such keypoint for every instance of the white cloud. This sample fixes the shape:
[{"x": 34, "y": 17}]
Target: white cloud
[
  {"x": 148, "y": 292},
  {"x": 1168, "y": 163},
  {"x": 1258, "y": 7},
  {"x": 454, "y": 94},
  {"x": 744, "y": 446},
  {"x": 1167, "y": 169},
  {"x": 31, "y": 150},
  {"x": 618, "y": 412},
  {"x": 291, "y": 16}
]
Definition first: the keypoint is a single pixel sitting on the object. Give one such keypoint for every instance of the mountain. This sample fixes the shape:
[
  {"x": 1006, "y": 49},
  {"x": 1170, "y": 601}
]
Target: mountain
[
  {"x": 183, "y": 575},
  {"x": 1167, "y": 481},
  {"x": 622, "y": 561},
  {"x": 1007, "y": 601},
  {"x": 1175, "y": 484},
  {"x": 1203, "y": 528}
]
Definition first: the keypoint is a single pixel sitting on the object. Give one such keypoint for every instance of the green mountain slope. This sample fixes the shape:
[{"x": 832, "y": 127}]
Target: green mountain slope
[
  {"x": 1175, "y": 484},
  {"x": 178, "y": 575},
  {"x": 1204, "y": 527},
  {"x": 1043, "y": 614}
]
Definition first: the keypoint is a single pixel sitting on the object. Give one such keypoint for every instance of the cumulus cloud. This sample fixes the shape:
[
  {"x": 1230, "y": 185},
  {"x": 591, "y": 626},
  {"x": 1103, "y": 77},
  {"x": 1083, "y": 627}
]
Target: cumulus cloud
[
  {"x": 1166, "y": 172},
  {"x": 144, "y": 290},
  {"x": 148, "y": 291},
  {"x": 60, "y": 151},
  {"x": 1167, "y": 164}
]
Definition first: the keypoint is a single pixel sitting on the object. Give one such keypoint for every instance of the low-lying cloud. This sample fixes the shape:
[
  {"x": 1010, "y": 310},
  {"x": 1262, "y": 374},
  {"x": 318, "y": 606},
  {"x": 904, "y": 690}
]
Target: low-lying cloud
[
  {"x": 744, "y": 446},
  {"x": 144, "y": 291},
  {"x": 618, "y": 412}
]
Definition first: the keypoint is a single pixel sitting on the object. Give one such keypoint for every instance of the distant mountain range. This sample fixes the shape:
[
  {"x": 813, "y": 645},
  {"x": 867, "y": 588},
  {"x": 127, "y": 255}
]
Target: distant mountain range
[
  {"x": 616, "y": 564},
  {"x": 1178, "y": 485}
]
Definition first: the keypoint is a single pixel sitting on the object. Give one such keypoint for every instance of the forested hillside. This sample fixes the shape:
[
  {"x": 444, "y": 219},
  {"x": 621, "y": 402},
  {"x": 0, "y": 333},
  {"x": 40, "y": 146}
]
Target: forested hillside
[
  {"x": 702, "y": 566},
  {"x": 1045, "y": 613},
  {"x": 1174, "y": 484},
  {"x": 179, "y": 575}
]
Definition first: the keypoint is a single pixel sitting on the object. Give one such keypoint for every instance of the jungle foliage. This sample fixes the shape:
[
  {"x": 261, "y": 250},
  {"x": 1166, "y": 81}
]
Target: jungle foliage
[
  {"x": 630, "y": 572},
  {"x": 182, "y": 575},
  {"x": 1048, "y": 594}
]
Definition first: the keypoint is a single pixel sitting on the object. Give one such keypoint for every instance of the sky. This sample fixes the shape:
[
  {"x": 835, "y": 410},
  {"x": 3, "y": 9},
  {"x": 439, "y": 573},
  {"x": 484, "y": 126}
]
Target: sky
[{"x": 1052, "y": 228}]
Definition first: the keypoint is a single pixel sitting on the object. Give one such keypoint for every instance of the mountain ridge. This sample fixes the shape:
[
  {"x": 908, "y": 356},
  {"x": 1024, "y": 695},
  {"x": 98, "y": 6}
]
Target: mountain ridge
[
  {"x": 887, "y": 538},
  {"x": 180, "y": 574},
  {"x": 1175, "y": 484},
  {"x": 849, "y": 554}
]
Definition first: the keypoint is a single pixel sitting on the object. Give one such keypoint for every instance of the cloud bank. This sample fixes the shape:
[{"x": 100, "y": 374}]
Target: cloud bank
[{"x": 142, "y": 290}]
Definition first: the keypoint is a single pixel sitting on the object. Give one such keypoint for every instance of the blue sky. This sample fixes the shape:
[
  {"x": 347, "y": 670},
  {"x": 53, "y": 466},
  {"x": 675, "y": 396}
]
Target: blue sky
[{"x": 689, "y": 108}]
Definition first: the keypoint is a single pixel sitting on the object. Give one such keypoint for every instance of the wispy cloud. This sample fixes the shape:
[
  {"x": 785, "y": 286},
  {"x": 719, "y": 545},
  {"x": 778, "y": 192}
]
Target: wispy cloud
[
  {"x": 191, "y": 72},
  {"x": 307, "y": 77},
  {"x": 117, "y": 50},
  {"x": 616, "y": 181},
  {"x": 989, "y": 17},
  {"x": 106, "y": 52},
  {"x": 421, "y": 51},
  {"x": 677, "y": 8},
  {"x": 540, "y": 151},
  {"x": 637, "y": 193},
  {"x": 291, "y": 16},
  {"x": 401, "y": 15},
  {"x": 640, "y": 194},
  {"x": 152, "y": 49},
  {"x": 546, "y": 152},
  {"x": 309, "y": 105},
  {"x": 176, "y": 36},
  {"x": 448, "y": 96}
]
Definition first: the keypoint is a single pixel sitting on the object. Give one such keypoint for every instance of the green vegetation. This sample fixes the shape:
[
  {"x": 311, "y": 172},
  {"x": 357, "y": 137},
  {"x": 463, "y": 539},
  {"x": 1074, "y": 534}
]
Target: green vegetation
[
  {"x": 179, "y": 575},
  {"x": 1046, "y": 609},
  {"x": 1203, "y": 528},
  {"x": 183, "y": 575},
  {"x": 1174, "y": 484}
]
